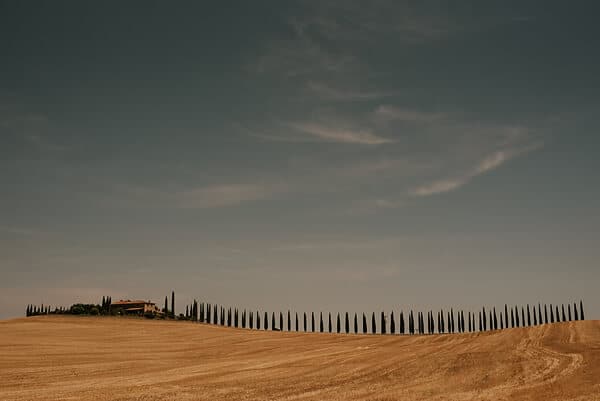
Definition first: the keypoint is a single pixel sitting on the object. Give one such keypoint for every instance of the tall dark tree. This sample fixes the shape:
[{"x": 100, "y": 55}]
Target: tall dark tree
[
  {"x": 173, "y": 304},
  {"x": 237, "y": 316},
  {"x": 528, "y": 316},
  {"x": 443, "y": 324},
  {"x": 495, "y": 320},
  {"x": 383, "y": 325},
  {"x": 551, "y": 314},
  {"x": 564, "y": 316},
  {"x": 470, "y": 326},
  {"x": 392, "y": 324},
  {"x": 208, "y": 312},
  {"x": 557, "y": 314},
  {"x": 273, "y": 321},
  {"x": 251, "y": 321},
  {"x": 506, "y": 316},
  {"x": 339, "y": 324},
  {"x": 266, "y": 321},
  {"x": 166, "y": 309},
  {"x": 187, "y": 311},
  {"x": 575, "y": 311},
  {"x": 312, "y": 320},
  {"x": 347, "y": 324},
  {"x": 569, "y": 310},
  {"x": 296, "y": 321},
  {"x": 257, "y": 320},
  {"x": 545, "y": 314},
  {"x": 330, "y": 327},
  {"x": 517, "y": 316},
  {"x": 534, "y": 316},
  {"x": 355, "y": 323},
  {"x": 401, "y": 322},
  {"x": 364, "y": 324},
  {"x": 480, "y": 322},
  {"x": 244, "y": 319},
  {"x": 501, "y": 321},
  {"x": 484, "y": 320},
  {"x": 215, "y": 315},
  {"x": 321, "y": 322},
  {"x": 581, "y": 310},
  {"x": 280, "y": 321},
  {"x": 289, "y": 321},
  {"x": 373, "y": 324},
  {"x": 305, "y": 325}
]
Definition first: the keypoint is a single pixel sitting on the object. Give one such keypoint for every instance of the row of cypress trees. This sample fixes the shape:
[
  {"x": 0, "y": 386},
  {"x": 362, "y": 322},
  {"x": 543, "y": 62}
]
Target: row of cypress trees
[{"x": 413, "y": 323}]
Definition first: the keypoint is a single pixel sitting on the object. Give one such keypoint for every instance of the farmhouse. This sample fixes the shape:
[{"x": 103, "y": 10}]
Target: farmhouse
[{"x": 137, "y": 307}]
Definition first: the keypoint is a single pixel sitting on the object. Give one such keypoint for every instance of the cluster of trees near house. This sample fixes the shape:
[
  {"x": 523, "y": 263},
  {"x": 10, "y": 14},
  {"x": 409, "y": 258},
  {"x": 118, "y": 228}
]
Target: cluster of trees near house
[
  {"x": 413, "y": 322},
  {"x": 449, "y": 321},
  {"x": 75, "y": 309}
]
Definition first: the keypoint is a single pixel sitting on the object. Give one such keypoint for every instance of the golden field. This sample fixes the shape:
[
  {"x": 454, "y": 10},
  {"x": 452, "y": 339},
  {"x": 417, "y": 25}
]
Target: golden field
[{"x": 85, "y": 358}]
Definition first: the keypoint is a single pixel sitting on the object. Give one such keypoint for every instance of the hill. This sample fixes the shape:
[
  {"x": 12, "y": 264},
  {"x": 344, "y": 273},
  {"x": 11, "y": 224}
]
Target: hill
[{"x": 84, "y": 358}]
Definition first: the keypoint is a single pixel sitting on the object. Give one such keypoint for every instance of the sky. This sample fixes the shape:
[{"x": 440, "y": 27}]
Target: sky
[{"x": 313, "y": 156}]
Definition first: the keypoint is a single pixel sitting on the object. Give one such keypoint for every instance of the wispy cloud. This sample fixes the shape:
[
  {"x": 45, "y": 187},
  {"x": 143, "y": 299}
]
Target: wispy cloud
[
  {"x": 328, "y": 92},
  {"x": 393, "y": 113},
  {"x": 224, "y": 195},
  {"x": 339, "y": 134},
  {"x": 485, "y": 165}
]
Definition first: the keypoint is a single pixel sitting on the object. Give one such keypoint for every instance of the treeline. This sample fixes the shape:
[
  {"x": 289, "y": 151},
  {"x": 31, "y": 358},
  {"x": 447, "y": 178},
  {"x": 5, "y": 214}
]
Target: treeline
[
  {"x": 75, "y": 309},
  {"x": 413, "y": 322}
]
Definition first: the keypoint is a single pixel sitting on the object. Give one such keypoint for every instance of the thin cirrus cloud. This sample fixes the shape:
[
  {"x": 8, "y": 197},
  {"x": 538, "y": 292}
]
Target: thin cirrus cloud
[
  {"x": 328, "y": 92},
  {"x": 223, "y": 195},
  {"x": 340, "y": 135},
  {"x": 485, "y": 165}
]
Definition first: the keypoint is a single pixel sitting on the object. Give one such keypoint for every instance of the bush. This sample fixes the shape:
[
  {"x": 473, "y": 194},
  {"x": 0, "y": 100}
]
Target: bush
[{"x": 94, "y": 311}]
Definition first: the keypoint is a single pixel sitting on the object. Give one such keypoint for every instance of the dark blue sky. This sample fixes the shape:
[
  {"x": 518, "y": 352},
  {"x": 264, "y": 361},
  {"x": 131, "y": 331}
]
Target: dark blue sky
[{"x": 309, "y": 155}]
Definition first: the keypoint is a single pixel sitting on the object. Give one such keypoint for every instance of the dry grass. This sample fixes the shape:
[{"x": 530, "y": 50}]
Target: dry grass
[{"x": 71, "y": 358}]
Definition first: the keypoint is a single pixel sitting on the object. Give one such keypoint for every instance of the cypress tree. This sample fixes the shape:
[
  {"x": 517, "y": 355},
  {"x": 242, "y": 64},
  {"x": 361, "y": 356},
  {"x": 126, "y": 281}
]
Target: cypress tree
[
  {"x": 484, "y": 320},
  {"x": 244, "y": 319},
  {"x": 289, "y": 321},
  {"x": 569, "y": 310},
  {"x": 401, "y": 323},
  {"x": 581, "y": 309},
  {"x": 470, "y": 327},
  {"x": 551, "y": 314},
  {"x": 321, "y": 322},
  {"x": 523, "y": 316},
  {"x": 480, "y": 322},
  {"x": 266, "y": 320},
  {"x": 528, "y": 316},
  {"x": 312, "y": 320},
  {"x": 237, "y": 315},
  {"x": 383, "y": 328},
  {"x": 392, "y": 324},
  {"x": 364, "y": 324},
  {"x": 545, "y": 314},
  {"x": 517, "y": 316},
  {"x": 173, "y": 304},
  {"x": 501, "y": 322},
  {"x": 296, "y": 321},
  {"x": 166, "y": 310},
  {"x": 208, "y": 310},
  {"x": 257, "y": 320},
  {"x": 187, "y": 311},
  {"x": 534, "y": 316},
  {"x": 557, "y": 314},
  {"x": 443, "y": 324},
  {"x": 251, "y": 321},
  {"x": 439, "y": 324},
  {"x": 564, "y": 317},
  {"x": 272, "y": 321},
  {"x": 330, "y": 327},
  {"x": 215, "y": 317},
  {"x": 495, "y": 320},
  {"x": 540, "y": 314},
  {"x": 355, "y": 323},
  {"x": 339, "y": 324},
  {"x": 462, "y": 320},
  {"x": 305, "y": 322},
  {"x": 373, "y": 324},
  {"x": 347, "y": 324},
  {"x": 280, "y": 321},
  {"x": 575, "y": 311}
]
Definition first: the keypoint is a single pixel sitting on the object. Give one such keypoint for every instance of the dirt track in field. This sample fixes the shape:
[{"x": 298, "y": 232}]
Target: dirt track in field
[{"x": 78, "y": 358}]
